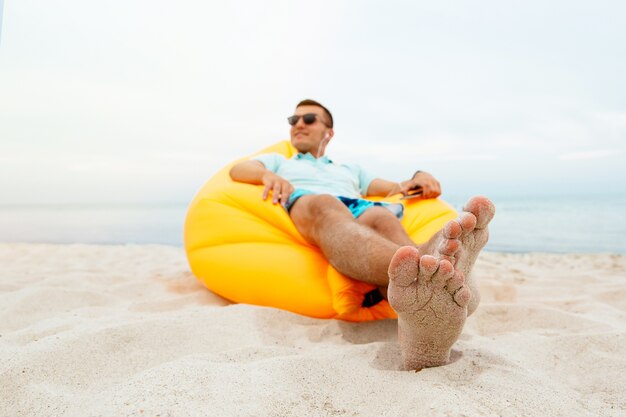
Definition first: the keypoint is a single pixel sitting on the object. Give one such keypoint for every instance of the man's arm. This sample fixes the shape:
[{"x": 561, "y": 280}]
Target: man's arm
[
  {"x": 254, "y": 172},
  {"x": 250, "y": 172},
  {"x": 383, "y": 188}
]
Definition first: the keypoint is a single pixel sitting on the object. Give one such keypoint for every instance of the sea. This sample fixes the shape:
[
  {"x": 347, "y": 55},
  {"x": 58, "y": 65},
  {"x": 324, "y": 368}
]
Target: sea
[{"x": 553, "y": 224}]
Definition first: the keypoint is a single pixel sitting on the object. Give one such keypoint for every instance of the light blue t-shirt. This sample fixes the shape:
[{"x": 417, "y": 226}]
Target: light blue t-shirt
[{"x": 319, "y": 175}]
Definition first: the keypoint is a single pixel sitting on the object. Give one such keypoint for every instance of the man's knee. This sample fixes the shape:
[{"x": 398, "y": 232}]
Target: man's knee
[
  {"x": 314, "y": 214},
  {"x": 317, "y": 206}
]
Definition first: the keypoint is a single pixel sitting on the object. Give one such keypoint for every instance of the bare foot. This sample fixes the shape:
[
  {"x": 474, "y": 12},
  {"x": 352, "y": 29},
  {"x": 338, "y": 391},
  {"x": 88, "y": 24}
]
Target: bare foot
[
  {"x": 461, "y": 240},
  {"x": 431, "y": 300}
]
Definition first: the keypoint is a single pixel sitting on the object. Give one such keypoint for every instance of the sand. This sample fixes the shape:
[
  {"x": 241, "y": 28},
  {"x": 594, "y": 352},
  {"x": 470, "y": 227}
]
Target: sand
[{"x": 91, "y": 330}]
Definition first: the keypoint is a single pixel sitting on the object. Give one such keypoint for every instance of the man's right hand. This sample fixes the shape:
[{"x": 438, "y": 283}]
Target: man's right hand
[{"x": 280, "y": 187}]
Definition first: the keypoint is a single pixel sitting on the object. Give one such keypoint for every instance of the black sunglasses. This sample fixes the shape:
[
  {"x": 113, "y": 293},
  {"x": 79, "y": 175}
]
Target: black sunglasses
[{"x": 308, "y": 119}]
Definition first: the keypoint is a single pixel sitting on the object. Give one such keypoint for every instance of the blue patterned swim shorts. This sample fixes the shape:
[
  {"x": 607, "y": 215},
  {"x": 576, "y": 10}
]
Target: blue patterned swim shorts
[{"x": 357, "y": 206}]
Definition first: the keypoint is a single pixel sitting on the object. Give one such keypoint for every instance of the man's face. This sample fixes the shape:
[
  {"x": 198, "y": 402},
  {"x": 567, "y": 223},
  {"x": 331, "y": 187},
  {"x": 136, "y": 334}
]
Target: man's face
[{"x": 307, "y": 138}]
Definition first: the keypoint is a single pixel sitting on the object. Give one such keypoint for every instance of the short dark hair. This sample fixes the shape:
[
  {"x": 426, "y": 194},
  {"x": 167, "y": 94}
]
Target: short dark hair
[{"x": 309, "y": 102}]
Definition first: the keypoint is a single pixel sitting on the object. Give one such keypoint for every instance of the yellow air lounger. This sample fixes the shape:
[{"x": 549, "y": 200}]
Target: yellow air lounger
[{"x": 248, "y": 251}]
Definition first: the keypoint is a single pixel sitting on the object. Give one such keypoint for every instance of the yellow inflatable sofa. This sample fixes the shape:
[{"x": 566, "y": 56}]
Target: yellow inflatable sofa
[{"x": 248, "y": 251}]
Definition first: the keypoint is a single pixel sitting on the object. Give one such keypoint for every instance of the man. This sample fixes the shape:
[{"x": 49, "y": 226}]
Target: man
[{"x": 429, "y": 286}]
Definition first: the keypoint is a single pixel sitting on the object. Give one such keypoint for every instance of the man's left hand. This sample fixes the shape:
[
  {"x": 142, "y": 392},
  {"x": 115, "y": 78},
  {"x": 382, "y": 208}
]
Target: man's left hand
[{"x": 429, "y": 185}]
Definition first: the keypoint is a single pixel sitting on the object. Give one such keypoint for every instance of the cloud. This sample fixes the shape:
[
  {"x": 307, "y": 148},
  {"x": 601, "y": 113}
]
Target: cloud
[{"x": 597, "y": 154}]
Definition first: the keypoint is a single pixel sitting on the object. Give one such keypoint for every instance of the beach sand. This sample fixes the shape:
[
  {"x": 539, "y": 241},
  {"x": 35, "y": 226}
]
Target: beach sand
[{"x": 90, "y": 330}]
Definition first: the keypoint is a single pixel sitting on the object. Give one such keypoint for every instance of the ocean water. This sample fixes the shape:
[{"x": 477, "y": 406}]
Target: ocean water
[
  {"x": 522, "y": 224},
  {"x": 557, "y": 224}
]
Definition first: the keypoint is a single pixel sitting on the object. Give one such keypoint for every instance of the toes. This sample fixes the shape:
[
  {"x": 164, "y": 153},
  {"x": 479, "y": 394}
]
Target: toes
[
  {"x": 452, "y": 230},
  {"x": 449, "y": 247},
  {"x": 428, "y": 266},
  {"x": 450, "y": 259},
  {"x": 467, "y": 222},
  {"x": 443, "y": 274},
  {"x": 482, "y": 208},
  {"x": 456, "y": 282},
  {"x": 403, "y": 270},
  {"x": 462, "y": 297},
  {"x": 404, "y": 266}
]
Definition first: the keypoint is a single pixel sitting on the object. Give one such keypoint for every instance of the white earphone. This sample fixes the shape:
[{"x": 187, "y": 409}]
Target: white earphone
[{"x": 325, "y": 139}]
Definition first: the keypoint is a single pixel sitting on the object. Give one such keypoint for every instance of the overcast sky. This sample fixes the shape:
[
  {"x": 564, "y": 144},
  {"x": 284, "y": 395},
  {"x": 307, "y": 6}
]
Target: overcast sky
[{"x": 142, "y": 101}]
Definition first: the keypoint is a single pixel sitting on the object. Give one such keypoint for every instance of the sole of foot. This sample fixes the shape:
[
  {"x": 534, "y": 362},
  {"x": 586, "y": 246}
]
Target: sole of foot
[{"x": 431, "y": 298}]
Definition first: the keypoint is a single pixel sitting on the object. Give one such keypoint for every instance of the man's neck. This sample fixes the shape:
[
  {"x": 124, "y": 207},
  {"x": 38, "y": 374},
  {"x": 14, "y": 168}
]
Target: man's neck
[
  {"x": 305, "y": 155},
  {"x": 312, "y": 154}
]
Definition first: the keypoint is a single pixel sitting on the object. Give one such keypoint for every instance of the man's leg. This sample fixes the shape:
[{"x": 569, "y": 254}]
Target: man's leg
[
  {"x": 386, "y": 224},
  {"x": 354, "y": 249},
  {"x": 459, "y": 242},
  {"x": 428, "y": 293},
  {"x": 362, "y": 249}
]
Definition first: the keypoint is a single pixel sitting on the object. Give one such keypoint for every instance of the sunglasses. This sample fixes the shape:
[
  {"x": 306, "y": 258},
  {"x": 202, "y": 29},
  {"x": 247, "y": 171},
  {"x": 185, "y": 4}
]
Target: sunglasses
[{"x": 308, "y": 119}]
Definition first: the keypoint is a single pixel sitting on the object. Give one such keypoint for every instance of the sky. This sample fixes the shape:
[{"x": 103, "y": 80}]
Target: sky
[{"x": 143, "y": 101}]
